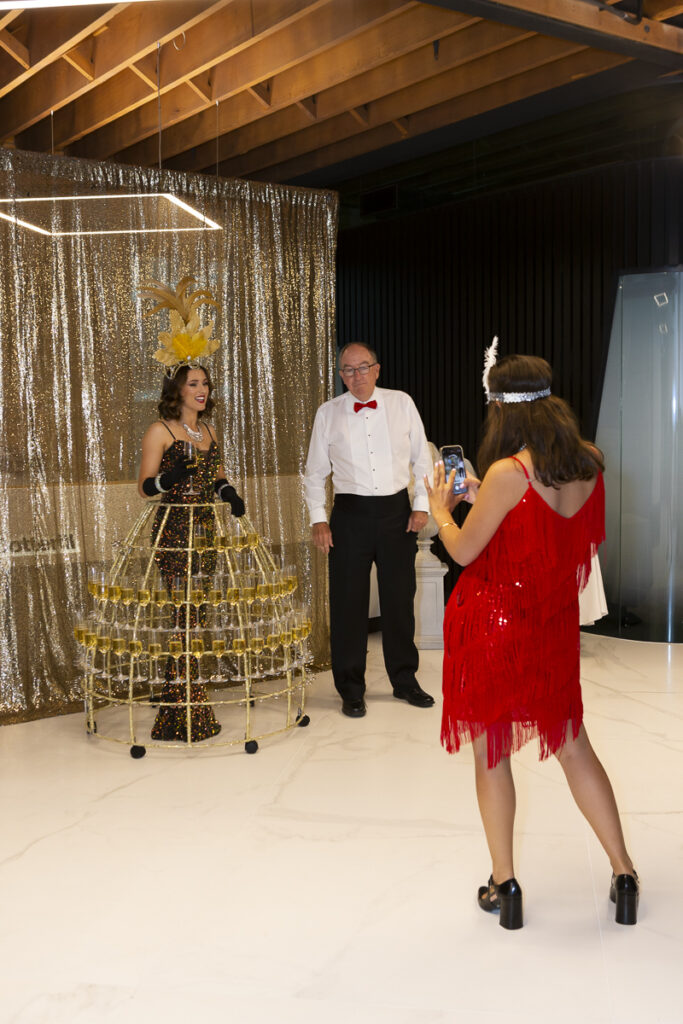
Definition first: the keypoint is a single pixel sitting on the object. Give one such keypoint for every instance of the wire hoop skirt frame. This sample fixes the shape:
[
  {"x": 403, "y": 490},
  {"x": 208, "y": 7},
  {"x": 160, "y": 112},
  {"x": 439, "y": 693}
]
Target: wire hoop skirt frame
[{"x": 195, "y": 640}]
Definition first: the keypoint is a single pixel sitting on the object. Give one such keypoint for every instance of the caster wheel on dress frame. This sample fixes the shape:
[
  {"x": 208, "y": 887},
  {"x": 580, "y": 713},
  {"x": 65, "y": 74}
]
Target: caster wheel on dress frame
[
  {"x": 302, "y": 721},
  {"x": 137, "y": 752},
  {"x": 251, "y": 746}
]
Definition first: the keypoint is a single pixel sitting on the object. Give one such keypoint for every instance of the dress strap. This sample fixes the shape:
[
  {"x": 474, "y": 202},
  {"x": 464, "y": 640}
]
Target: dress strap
[
  {"x": 515, "y": 459},
  {"x": 210, "y": 432},
  {"x": 169, "y": 430}
]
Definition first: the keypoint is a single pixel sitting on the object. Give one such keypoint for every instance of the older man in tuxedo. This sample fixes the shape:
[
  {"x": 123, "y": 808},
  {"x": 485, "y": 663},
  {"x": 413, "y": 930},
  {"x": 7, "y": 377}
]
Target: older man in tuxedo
[{"x": 370, "y": 439}]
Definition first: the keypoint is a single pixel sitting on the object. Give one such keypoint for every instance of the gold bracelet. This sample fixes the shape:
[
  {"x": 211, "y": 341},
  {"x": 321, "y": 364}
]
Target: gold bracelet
[{"x": 444, "y": 525}]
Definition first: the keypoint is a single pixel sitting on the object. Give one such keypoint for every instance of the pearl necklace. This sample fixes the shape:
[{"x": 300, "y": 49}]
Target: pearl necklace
[{"x": 195, "y": 435}]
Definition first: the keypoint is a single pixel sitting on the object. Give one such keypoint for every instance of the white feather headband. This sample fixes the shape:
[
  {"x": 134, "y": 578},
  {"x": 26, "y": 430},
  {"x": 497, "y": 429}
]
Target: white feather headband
[{"x": 505, "y": 396}]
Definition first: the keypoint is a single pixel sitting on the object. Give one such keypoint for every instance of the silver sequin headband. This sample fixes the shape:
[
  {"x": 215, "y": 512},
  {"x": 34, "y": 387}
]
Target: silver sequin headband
[{"x": 505, "y": 396}]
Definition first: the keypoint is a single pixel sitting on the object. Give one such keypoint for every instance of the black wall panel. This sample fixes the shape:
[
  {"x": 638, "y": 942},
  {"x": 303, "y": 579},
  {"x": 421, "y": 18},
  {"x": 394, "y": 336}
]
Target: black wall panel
[{"x": 536, "y": 265}]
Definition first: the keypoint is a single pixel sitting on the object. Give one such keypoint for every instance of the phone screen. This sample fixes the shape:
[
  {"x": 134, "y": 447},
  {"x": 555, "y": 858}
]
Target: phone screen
[{"x": 454, "y": 459}]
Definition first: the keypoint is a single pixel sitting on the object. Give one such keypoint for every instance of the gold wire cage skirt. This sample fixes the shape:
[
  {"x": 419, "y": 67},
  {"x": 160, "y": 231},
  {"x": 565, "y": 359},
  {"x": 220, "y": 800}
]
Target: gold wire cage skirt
[{"x": 195, "y": 639}]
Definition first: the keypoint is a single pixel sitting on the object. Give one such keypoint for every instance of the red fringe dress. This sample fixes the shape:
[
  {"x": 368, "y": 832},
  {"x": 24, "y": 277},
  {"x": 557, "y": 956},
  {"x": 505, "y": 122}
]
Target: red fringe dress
[{"x": 511, "y": 629}]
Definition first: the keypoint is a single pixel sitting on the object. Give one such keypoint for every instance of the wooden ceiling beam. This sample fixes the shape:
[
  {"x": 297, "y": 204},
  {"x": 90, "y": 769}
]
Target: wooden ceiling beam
[
  {"x": 133, "y": 34},
  {"x": 14, "y": 48},
  {"x": 309, "y": 107},
  {"x": 317, "y": 30},
  {"x": 7, "y": 17},
  {"x": 51, "y": 34},
  {"x": 529, "y": 53},
  {"x": 83, "y": 58},
  {"x": 357, "y": 94},
  {"x": 590, "y": 24},
  {"x": 240, "y": 28},
  {"x": 146, "y": 70},
  {"x": 661, "y": 10},
  {"x": 510, "y": 90},
  {"x": 225, "y": 26},
  {"x": 373, "y": 47},
  {"x": 202, "y": 85},
  {"x": 263, "y": 91}
]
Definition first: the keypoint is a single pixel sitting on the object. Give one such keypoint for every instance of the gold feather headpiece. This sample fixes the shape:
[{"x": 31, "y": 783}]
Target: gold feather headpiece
[{"x": 186, "y": 342}]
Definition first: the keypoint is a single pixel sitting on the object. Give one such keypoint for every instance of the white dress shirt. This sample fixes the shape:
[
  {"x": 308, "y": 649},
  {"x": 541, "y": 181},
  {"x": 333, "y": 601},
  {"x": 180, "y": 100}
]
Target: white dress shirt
[{"x": 369, "y": 452}]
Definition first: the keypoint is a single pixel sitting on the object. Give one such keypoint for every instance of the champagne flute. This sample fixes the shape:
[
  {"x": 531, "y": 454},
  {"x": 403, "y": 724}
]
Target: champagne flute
[
  {"x": 119, "y": 647},
  {"x": 272, "y": 644},
  {"x": 219, "y": 650},
  {"x": 155, "y": 651},
  {"x": 239, "y": 648},
  {"x": 198, "y": 650},
  {"x": 200, "y": 542},
  {"x": 257, "y": 642},
  {"x": 190, "y": 452}
]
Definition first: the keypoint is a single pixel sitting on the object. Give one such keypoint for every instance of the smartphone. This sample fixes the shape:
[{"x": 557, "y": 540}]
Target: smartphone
[{"x": 454, "y": 459}]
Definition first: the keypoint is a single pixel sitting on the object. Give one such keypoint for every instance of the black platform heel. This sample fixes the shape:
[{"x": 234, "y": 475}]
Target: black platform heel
[
  {"x": 624, "y": 890},
  {"x": 506, "y": 898}
]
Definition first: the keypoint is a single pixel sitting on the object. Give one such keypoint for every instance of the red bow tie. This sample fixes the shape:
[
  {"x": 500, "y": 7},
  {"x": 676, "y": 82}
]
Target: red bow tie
[{"x": 357, "y": 406}]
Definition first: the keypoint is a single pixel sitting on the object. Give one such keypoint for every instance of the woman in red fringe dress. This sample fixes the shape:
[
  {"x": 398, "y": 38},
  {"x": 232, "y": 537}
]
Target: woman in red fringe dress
[{"x": 511, "y": 629}]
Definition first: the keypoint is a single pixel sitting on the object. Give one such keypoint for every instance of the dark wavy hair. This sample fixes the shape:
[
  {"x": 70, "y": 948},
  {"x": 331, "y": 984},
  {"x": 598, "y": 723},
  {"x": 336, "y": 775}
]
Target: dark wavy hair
[
  {"x": 546, "y": 426},
  {"x": 171, "y": 402}
]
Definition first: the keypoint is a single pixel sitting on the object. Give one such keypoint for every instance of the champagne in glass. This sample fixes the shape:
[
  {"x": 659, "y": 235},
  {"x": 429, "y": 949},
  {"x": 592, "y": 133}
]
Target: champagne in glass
[
  {"x": 190, "y": 452},
  {"x": 196, "y": 592},
  {"x": 127, "y": 591},
  {"x": 178, "y": 591}
]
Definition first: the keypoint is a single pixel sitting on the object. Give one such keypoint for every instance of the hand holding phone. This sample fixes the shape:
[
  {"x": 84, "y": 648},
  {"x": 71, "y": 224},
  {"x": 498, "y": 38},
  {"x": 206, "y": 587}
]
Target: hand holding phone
[{"x": 454, "y": 459}]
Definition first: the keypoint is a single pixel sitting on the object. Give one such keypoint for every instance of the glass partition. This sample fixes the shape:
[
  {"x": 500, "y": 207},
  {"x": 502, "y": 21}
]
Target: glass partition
[{"x": 641, "y": 434}]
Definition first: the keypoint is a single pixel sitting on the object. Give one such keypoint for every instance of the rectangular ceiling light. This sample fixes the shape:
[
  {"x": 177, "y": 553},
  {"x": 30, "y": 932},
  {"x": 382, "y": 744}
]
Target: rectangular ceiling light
[{"x": 116, "y": 214}]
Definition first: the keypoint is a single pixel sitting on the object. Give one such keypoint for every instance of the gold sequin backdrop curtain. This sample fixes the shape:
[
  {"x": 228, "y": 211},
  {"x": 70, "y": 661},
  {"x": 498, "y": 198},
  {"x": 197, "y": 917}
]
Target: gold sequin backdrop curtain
[{"x": 78, "y": 387}]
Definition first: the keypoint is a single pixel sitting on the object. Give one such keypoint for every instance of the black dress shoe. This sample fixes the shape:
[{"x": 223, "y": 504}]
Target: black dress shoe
[
  {"x": 354, "y": 708},
  {"x": 506, "y": 898},
  {"x": 416, "y": 696},
  {"x": 624, "y": 890}
]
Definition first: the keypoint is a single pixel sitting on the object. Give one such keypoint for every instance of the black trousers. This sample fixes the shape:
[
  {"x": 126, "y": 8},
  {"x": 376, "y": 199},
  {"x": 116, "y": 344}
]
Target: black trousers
[{"x": 367, "y": 530}]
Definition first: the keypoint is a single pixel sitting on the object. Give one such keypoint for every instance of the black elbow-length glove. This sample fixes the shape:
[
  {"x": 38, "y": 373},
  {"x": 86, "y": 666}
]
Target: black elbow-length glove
[
  {"x": 226, "y": 492},
  {"x": 180, "y": 470}
]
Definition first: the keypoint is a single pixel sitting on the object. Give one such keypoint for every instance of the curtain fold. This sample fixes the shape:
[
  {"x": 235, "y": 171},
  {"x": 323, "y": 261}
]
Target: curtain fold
[{"x": 79, "y": 385}]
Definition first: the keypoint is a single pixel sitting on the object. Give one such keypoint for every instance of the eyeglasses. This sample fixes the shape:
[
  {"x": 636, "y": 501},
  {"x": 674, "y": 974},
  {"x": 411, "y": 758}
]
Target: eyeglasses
[{"x": 363, "y": 369}]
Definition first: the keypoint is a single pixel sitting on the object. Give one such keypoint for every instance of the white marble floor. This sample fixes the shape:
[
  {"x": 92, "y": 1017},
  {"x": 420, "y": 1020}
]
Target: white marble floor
[{"x": 331, "y": 877}]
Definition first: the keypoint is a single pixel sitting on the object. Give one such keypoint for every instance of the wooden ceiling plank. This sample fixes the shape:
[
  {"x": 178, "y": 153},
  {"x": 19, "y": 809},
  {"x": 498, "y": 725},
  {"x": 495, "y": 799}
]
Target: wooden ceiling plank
[
  {"x": 309, "y": 107},
  {"x": 528, "y": 53},
  {"x": 146, "y": 69},
  {"x": 263, "y": 92},
  {"x": 7, "y": 17},
  {"x": 239, "y": 27},
  {"x": 143, "y": 121},
  {"x": 202, "y": 85},
  {"x": 133, "y": 35},
  {"x": 249, "y": 66},
  {"x": 51, "y": 34},
  {"x": 510, "y": 90},
  {"x": 14, "y": 48},
  {"x": 376, "y": 45},
  {"x": 227, "y": 23},
  {"x": 578, "y": 13},
  {"x": 125, "y": 91},
  {"x": 360, "y": 115},
  {"x": 467, "y": 45},
  {"x": 323, "y": 29},
  {"x": 661, "y": 10},
  {"x": 83, "y": 58}
]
